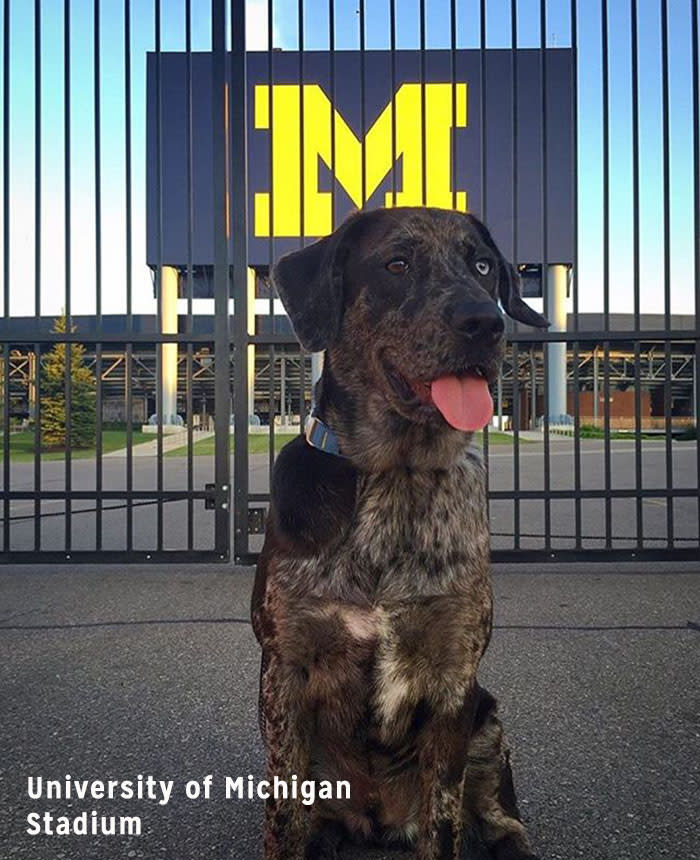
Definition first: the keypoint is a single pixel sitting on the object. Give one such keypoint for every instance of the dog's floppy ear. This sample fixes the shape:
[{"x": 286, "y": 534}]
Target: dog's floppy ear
[
  {"x": 310, "y": 284},
  {"x": 509, "y": 284},
  {"x": 509, "y": 294}
]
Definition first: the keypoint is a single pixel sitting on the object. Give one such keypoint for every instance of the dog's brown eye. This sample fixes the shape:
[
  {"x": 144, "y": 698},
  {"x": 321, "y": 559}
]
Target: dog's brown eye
[
  {"x": 397, "y": 266},
  {"x": 483, "y": 267}
]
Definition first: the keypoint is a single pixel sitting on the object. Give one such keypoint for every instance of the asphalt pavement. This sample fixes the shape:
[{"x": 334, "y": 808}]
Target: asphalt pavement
[{"x": 108, "y": 673}]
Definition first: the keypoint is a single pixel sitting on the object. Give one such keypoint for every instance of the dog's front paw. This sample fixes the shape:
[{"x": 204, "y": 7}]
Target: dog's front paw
[
  {"x": 321, "y": 849},
  {"x": 509, "y": 849},
  {"x": 324, "y": 844}
]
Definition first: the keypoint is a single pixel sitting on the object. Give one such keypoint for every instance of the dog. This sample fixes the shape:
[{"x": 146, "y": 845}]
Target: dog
[{"x": 372, "y": 598}]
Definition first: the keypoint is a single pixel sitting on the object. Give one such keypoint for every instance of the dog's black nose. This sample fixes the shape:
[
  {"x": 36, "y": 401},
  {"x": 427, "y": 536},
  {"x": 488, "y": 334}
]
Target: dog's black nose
[{"x": 477, "y": 320}]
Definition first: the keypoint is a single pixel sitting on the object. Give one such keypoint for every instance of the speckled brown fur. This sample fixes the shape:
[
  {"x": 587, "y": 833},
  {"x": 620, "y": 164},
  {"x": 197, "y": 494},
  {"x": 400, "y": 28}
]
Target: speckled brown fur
[{"x": 372, "y": 600}]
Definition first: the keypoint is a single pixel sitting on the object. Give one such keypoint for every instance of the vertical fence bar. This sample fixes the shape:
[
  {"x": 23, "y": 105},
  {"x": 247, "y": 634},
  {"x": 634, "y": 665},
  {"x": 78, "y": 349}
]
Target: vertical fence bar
[
  {"x": 6, "y": 445},
  {"x": 159, "y": 436},
  {"x": 271, "y": 408},
  {"x": 483, "y": 213},
  {"x": 128, "y": 383},
  {"x": 606, "y": 164},
  {"x": 638, "y": 476},
  {"x": 575, "y": 273},
  {"x": 270, "y": 227},
  {"x": 302, "y": 165},
  {"x": 573, "y": 15},
  {"x": 189, "y": 412},
  {"x": 37, "y": 271},
  {"x": 545, "y": 272},
  {"x": 363, "y": 103},
  {"x": 423, "y": 135},
  {"x": 240, "y": 288},
  {"x": 98, "y": 272},
  {"x": 392, "y": 49},
  {"x": 6, "y": 176},
  {"x": 515, "y": 393},
  {"x": 189, "y": 170},
  {"x": 516, "y": 444},
  {"x": 533, "y": 389},
  {"x": 577, "y": 447},
  {"x": 159, "y": 276},
  {"x": 37, "y": 159},
  {"x": 302, "y": 389},
  {"x": 37, "y": 446},
  {"x": 696, "y": 220},
  {"x": 331, "y": 48},
  {"x": 128, "y": 364},
  {"x": 668, "y": 411},
  {"x": 668, "y": 402},
  {"x": 98, "y": 448},
  {"x": 302, "y": 189},
  {"x": 67, "y": 251},
  {"x": 453, "y": 106},
  {"x": 482, "y": 108},
  {"x": 606, "y": 269},
  {"x": 546, "y": 447},
  {"x": 127, "y": 162},
  {"x": 607, "y": 461}
]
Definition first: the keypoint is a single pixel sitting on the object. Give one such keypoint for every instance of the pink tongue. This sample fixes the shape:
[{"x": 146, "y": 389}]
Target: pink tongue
[{"x": 464, "y": 403}]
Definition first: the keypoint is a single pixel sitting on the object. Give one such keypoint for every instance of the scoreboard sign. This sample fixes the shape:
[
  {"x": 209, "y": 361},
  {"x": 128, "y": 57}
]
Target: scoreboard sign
[{"x": 331, "y": 133}]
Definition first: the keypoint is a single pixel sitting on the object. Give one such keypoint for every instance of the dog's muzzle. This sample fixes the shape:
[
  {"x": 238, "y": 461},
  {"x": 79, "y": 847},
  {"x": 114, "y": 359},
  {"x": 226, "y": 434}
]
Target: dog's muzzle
[{"x": 479, "y": 322}]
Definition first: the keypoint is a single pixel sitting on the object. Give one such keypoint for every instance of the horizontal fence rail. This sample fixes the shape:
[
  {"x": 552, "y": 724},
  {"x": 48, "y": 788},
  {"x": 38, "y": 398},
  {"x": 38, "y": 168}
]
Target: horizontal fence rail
[{"x": 149, "y": 375}]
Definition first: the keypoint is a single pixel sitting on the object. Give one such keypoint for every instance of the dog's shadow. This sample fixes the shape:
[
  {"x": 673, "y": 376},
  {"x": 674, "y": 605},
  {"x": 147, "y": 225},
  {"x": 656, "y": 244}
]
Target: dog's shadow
[{"x": 472, "y": 849}]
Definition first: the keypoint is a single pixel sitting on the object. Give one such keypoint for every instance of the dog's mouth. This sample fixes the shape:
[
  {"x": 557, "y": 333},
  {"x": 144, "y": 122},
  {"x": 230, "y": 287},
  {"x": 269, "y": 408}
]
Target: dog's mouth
[{"x": 462, "y": 399}]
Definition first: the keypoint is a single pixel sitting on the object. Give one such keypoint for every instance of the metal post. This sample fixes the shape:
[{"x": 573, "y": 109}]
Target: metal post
[
  {"x": 32, "y": 385},
  {"x": 222, "y": 407},
  {"x": 283, "y": 391},
  {"x": 557, "y": 281},
  {"x": 250, "y": 315},
  {"x": 168, "y": 321},
  {"x": 533, "y": 391},
  {"x": 499, "y": 390},
  {"x": 239, "y": 220},
  {"x": 595, "y": 386}
]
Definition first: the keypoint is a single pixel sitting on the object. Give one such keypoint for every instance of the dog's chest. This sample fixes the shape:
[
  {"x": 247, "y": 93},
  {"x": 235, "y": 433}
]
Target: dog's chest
[
  {"x": 414, "y": 534},
  {"x": 407, "y": 595}
]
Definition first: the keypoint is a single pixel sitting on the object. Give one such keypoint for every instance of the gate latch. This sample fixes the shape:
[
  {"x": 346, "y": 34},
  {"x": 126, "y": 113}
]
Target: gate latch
[
  {"x": 256, "y": 520},
  {"x": 210, "y": 497}
]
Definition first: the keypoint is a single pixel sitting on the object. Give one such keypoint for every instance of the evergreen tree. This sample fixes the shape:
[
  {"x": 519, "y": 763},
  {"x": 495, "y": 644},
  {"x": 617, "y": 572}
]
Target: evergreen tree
[{"x": 53, "y": 395}]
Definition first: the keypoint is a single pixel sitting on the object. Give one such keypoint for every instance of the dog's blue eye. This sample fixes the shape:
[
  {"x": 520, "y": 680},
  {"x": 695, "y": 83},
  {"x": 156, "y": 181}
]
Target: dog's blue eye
[
  {"x": 483, "y": 267},
  {"x": 397, "y": 266}
]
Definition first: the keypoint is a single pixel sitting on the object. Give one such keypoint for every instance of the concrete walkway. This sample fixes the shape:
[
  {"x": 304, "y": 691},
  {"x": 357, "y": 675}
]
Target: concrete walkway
[
  {"x": 171, "y": 442},
  {"x": 107, "y": 673}
]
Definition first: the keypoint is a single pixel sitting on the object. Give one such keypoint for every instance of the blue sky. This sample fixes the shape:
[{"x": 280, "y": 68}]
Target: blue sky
[{"x": 22, "y": 116}]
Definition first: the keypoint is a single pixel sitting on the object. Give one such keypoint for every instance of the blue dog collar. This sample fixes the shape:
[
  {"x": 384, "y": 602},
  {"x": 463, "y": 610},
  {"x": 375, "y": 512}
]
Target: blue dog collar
[{"x": 320, "y": 435}]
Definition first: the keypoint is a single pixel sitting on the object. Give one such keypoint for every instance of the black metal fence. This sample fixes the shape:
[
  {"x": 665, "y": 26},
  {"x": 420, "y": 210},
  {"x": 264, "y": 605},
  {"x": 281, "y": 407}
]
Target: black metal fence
[{"x": 613, "y": 474}]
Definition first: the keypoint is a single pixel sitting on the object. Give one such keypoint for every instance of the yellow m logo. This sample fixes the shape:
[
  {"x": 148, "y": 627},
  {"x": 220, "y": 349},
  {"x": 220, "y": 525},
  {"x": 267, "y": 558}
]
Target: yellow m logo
[{"x": 442, "y": 113}]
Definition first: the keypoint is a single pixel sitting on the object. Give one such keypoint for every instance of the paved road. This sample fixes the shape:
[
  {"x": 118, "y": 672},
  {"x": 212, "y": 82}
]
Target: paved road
[
  {"x": 532, "y": 463},
  {"x": 110, "y": 673}
]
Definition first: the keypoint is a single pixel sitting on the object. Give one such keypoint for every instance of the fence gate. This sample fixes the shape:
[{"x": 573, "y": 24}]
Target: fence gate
[
  {"x": 116, "y": 401},
  {"x": 583, "y": 161},
  {"x": 149, "y": 375}
]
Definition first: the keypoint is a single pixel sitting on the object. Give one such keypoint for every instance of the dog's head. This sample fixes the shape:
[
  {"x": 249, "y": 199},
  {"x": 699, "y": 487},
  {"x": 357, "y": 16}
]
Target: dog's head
[{"x": 406, "y": 304}]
